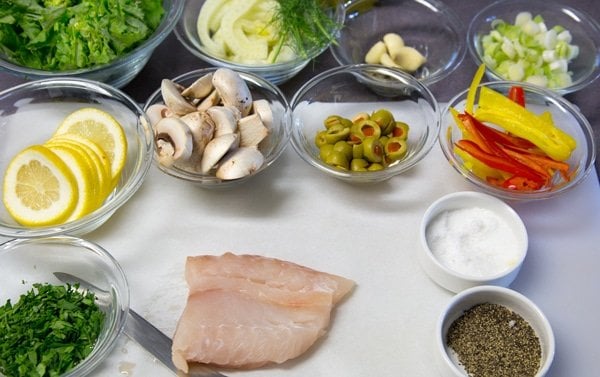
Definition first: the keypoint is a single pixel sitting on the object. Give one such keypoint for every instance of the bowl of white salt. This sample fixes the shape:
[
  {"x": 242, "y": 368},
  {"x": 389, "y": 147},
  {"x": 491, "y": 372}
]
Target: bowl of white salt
[{"x": 470, "y": 239}]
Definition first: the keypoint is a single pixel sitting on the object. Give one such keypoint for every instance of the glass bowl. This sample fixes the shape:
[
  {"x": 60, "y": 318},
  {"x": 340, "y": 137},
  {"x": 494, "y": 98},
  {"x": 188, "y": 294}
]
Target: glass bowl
[
  {"x": 118, "y": 72},
  {"x": 29, "y": 261},
  {"x": 271, "y": 147},
  {"x": 446, "y": 358},
  {"x": 566, "y": 116},
  {"x": 349, "y": 90},
  {"x": 585, "y": 32},
  {"x": 429, "y": 26},
  {"x": 277, "y": 73},
  {"x": 30, "y": 114}
]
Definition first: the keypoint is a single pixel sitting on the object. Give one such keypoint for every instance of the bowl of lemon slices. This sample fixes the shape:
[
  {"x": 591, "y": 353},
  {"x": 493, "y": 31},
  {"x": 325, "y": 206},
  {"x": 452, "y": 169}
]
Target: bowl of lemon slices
[{"x": 72, "y": 152}]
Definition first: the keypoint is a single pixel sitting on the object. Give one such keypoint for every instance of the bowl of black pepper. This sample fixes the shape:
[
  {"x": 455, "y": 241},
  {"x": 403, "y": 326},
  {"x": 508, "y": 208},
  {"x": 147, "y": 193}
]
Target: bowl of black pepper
[
  {"x": 64, "y": 303},
  {"x": 491, "y": 331}
]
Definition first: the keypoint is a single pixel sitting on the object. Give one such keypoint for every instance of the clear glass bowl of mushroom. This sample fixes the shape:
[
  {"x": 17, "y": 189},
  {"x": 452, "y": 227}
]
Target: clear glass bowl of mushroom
[{"x": 217, "y": 127}]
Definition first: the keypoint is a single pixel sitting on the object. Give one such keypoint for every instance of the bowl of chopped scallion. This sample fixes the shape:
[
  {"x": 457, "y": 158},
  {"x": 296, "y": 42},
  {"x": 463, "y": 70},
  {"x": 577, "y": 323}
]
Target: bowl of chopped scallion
[
  {"x": 108, "y": 41},
  {"x": 544, "y": 43},
  {"x": 273, "y": 39},
  {"x": 51, "y": 325}
]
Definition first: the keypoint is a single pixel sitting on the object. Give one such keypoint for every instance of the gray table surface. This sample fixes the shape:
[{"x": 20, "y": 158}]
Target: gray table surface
[{"x": 171, "y": 59}]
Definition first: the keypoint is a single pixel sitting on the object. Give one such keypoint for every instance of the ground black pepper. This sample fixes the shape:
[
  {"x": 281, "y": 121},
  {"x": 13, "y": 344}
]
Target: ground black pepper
[{"x": 491, "y": 340}]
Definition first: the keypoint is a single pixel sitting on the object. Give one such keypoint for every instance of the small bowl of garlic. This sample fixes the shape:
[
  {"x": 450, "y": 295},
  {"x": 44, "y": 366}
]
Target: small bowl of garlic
[{"x": 424, "y": 38}]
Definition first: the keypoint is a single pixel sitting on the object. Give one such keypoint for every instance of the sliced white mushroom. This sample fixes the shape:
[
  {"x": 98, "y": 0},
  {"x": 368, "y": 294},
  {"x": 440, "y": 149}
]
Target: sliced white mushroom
[
  {"x": 202, "y": 131},
  {"x": 173, "y": 98},
  {"x": 216, "y": 149},
  {"x": 240, "y": 163},
  {"x": 223, "y": 119},
  {"x": 252, "y": 130},
  {"x": 175, "y": 132},
  {"x": 264, "y": 111},
  {"x": 200, "y": 88},
  {"x": 233, "y": 90},
  {"x": 156, "y": 112},
  {"x": 212, "y": 99}
]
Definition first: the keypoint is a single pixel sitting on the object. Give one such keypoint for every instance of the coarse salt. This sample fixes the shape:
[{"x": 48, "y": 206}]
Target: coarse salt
[{"x": 473, "y": 241}]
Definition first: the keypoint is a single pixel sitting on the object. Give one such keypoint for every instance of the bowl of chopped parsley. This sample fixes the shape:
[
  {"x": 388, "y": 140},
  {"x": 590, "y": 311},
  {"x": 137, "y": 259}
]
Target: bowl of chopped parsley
[
  {"x": 108, "y": 41},
  {"x": 51, "y": 325}
]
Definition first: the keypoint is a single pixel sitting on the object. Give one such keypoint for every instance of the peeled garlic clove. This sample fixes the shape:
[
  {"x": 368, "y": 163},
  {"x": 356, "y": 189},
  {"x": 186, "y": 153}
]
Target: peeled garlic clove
[
  {"x": 174, "y": 141},
  {"x": 252, "y": 130},
  {"x": 216, "y": 149},
  {"x": 410, "y": 59},
  {"x": 232, "y": 89},
  {"x": 373, "y": 56},
  {"x": 173, "y": 98},
  {"x": 240, "y": 163},
  {"x": 393, "y": 43}
]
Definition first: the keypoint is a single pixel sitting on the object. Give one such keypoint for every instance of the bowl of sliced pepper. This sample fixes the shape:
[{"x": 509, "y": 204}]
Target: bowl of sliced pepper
[{"x": 517, "y": 141}]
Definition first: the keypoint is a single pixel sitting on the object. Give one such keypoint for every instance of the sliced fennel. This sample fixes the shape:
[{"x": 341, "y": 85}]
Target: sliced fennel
[
  {"x": 242, "y": 31},
  {"x": 529, "y": 51}
]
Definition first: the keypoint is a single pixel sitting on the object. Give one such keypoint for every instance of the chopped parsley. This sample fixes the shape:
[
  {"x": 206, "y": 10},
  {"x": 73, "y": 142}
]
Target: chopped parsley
[
  {"x": 72, "y": 34},
  {"x": 48, "y": 331}
]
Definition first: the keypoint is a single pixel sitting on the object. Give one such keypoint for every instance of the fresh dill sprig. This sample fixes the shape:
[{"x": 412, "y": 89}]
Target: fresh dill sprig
[{"x": 305, "y": 25}]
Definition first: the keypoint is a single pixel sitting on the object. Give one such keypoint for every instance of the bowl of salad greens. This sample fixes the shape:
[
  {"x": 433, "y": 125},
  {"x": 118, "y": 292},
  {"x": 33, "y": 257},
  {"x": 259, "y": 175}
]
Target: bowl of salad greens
[
  {"x": 107, "y": 41},
  {"x": 274, "y": 39},
  {"x": 543, "y": 43},
  {"x": 85, "y": 298}
]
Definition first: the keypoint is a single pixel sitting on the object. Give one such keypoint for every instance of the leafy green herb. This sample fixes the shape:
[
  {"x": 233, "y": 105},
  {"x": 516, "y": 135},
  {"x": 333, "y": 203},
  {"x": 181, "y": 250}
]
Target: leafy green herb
[
  {"x": 73, "y": 34},
  {"x": 305, "y": 24},
  {"x": 48, "y": 331}
]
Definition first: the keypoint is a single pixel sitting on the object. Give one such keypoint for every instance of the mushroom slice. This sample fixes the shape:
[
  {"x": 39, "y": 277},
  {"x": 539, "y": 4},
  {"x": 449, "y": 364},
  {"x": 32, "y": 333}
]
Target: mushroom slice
[
  {"x": 252, "y": 130},
  {"x": 264, "y": 111},
  {"x": 173, "y": 98},
  {"x": 174, "y": 141},
  {"x": 240, "y": 163},
  {"x": 233, "y": 90},
  {"x": 216, "y": 149},
  {"x": 211, "y": 100},
  {"x": 156, "y": 112},
  {"x": 223, "y": 119},
  {"x": 202, "y": 131},
  {"x": 199, "y": 88}
]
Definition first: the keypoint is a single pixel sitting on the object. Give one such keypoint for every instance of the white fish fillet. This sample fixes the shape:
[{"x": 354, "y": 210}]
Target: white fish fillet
[{"x": 245, "y": 311}]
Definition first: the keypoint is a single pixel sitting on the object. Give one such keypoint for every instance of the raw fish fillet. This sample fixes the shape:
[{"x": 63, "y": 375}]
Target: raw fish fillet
[{"x": 245, "y": 311}]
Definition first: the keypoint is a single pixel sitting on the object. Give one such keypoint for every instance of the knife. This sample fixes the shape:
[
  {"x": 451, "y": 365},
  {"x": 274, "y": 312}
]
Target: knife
[{"x": 144, "y": 333}]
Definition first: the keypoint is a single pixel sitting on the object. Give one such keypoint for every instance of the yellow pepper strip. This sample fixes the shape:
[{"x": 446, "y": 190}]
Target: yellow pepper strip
[
  {"x": 472, "y": 93},
  {"x": 541, "y": 131}
]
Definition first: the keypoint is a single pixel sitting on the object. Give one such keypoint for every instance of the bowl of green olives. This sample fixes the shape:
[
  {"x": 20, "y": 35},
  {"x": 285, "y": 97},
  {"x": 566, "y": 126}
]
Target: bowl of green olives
[{"x": 347, "y": 127}]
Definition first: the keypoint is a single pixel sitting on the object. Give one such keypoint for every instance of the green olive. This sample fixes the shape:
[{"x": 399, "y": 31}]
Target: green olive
[
  {"x": 359, "y": 164},
  {"x": 372, "y": 149},
  {"x": 385, "y": 119},
  {"x": 375, "y": 167},
  {"x": 338, "y": 160},
  {"x": 320, "y": 139},
  {"x": 344, "y": 147},
  {"x": 366, "y": 128},
  {"x": 336, "y": 133},
  {"x": 400, "y": 130},
  {"x": 357, "y": 150},
  {"x": 325, "y": 150},
  {"x": 384, "y": 140},
  {"x": 396, "y": 148},
  {"x": 332, "y": 120},
  {"x": 360, "y": 117}
]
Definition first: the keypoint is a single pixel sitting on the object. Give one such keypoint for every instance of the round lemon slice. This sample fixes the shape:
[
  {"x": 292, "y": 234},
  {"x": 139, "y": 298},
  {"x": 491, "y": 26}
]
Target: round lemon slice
[
  {"x": 39, "y": 188},
  {"x": 86, "y": 178},
  {"x": 104, "y": 130}
]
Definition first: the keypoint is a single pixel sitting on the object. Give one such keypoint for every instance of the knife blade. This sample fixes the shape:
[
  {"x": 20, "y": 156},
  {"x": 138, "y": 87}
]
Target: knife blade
[{"x": 144, "y": 333}]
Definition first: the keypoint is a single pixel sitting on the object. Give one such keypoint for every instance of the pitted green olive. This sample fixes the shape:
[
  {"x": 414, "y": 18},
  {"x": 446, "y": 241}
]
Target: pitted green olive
[
  {"x": 396, "y": 148},
  {"x": 336, "y": 133},
  {"x": 320, "y": 139},
  {"x": 375, "y": 167},
  {"x": 400, "y": 130},
  {"x": 384, "y": 119},
  {"x": 325, "y": 150},
  {"x": 338, "y": 160},
  {"x": 367, "y": 128},
  {"x": 344, "y": 147},
  {"x": 357, "y": 151},
  {"x": 359, "y": 164},
  {"x": 372, "y": 149}
]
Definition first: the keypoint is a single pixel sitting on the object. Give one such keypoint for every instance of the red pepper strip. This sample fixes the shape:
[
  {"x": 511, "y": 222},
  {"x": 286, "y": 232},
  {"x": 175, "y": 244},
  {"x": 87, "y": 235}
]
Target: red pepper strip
[
  {"x": 506, "y": 139},
  {"x": 467, "y": 121},
  {"x": 517, "y": 94},
  {"x": 520, "y": 184},
  {"x": 533, "y": 165},
  {"x": 545, "y": 162},
  {"x": 501, "y": 163}
]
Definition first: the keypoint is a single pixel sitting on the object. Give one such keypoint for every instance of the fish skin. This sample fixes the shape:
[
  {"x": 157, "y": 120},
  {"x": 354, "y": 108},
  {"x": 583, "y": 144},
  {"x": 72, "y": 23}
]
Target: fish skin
[{"x": 246, "y": 311}]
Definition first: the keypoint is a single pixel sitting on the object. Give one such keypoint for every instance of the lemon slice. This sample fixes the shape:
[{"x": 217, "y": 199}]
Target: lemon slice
[
  {"x": 104, "y": 130},
  {"x": 86, "y": 178},
  {"x": 39, "y": 188}
]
